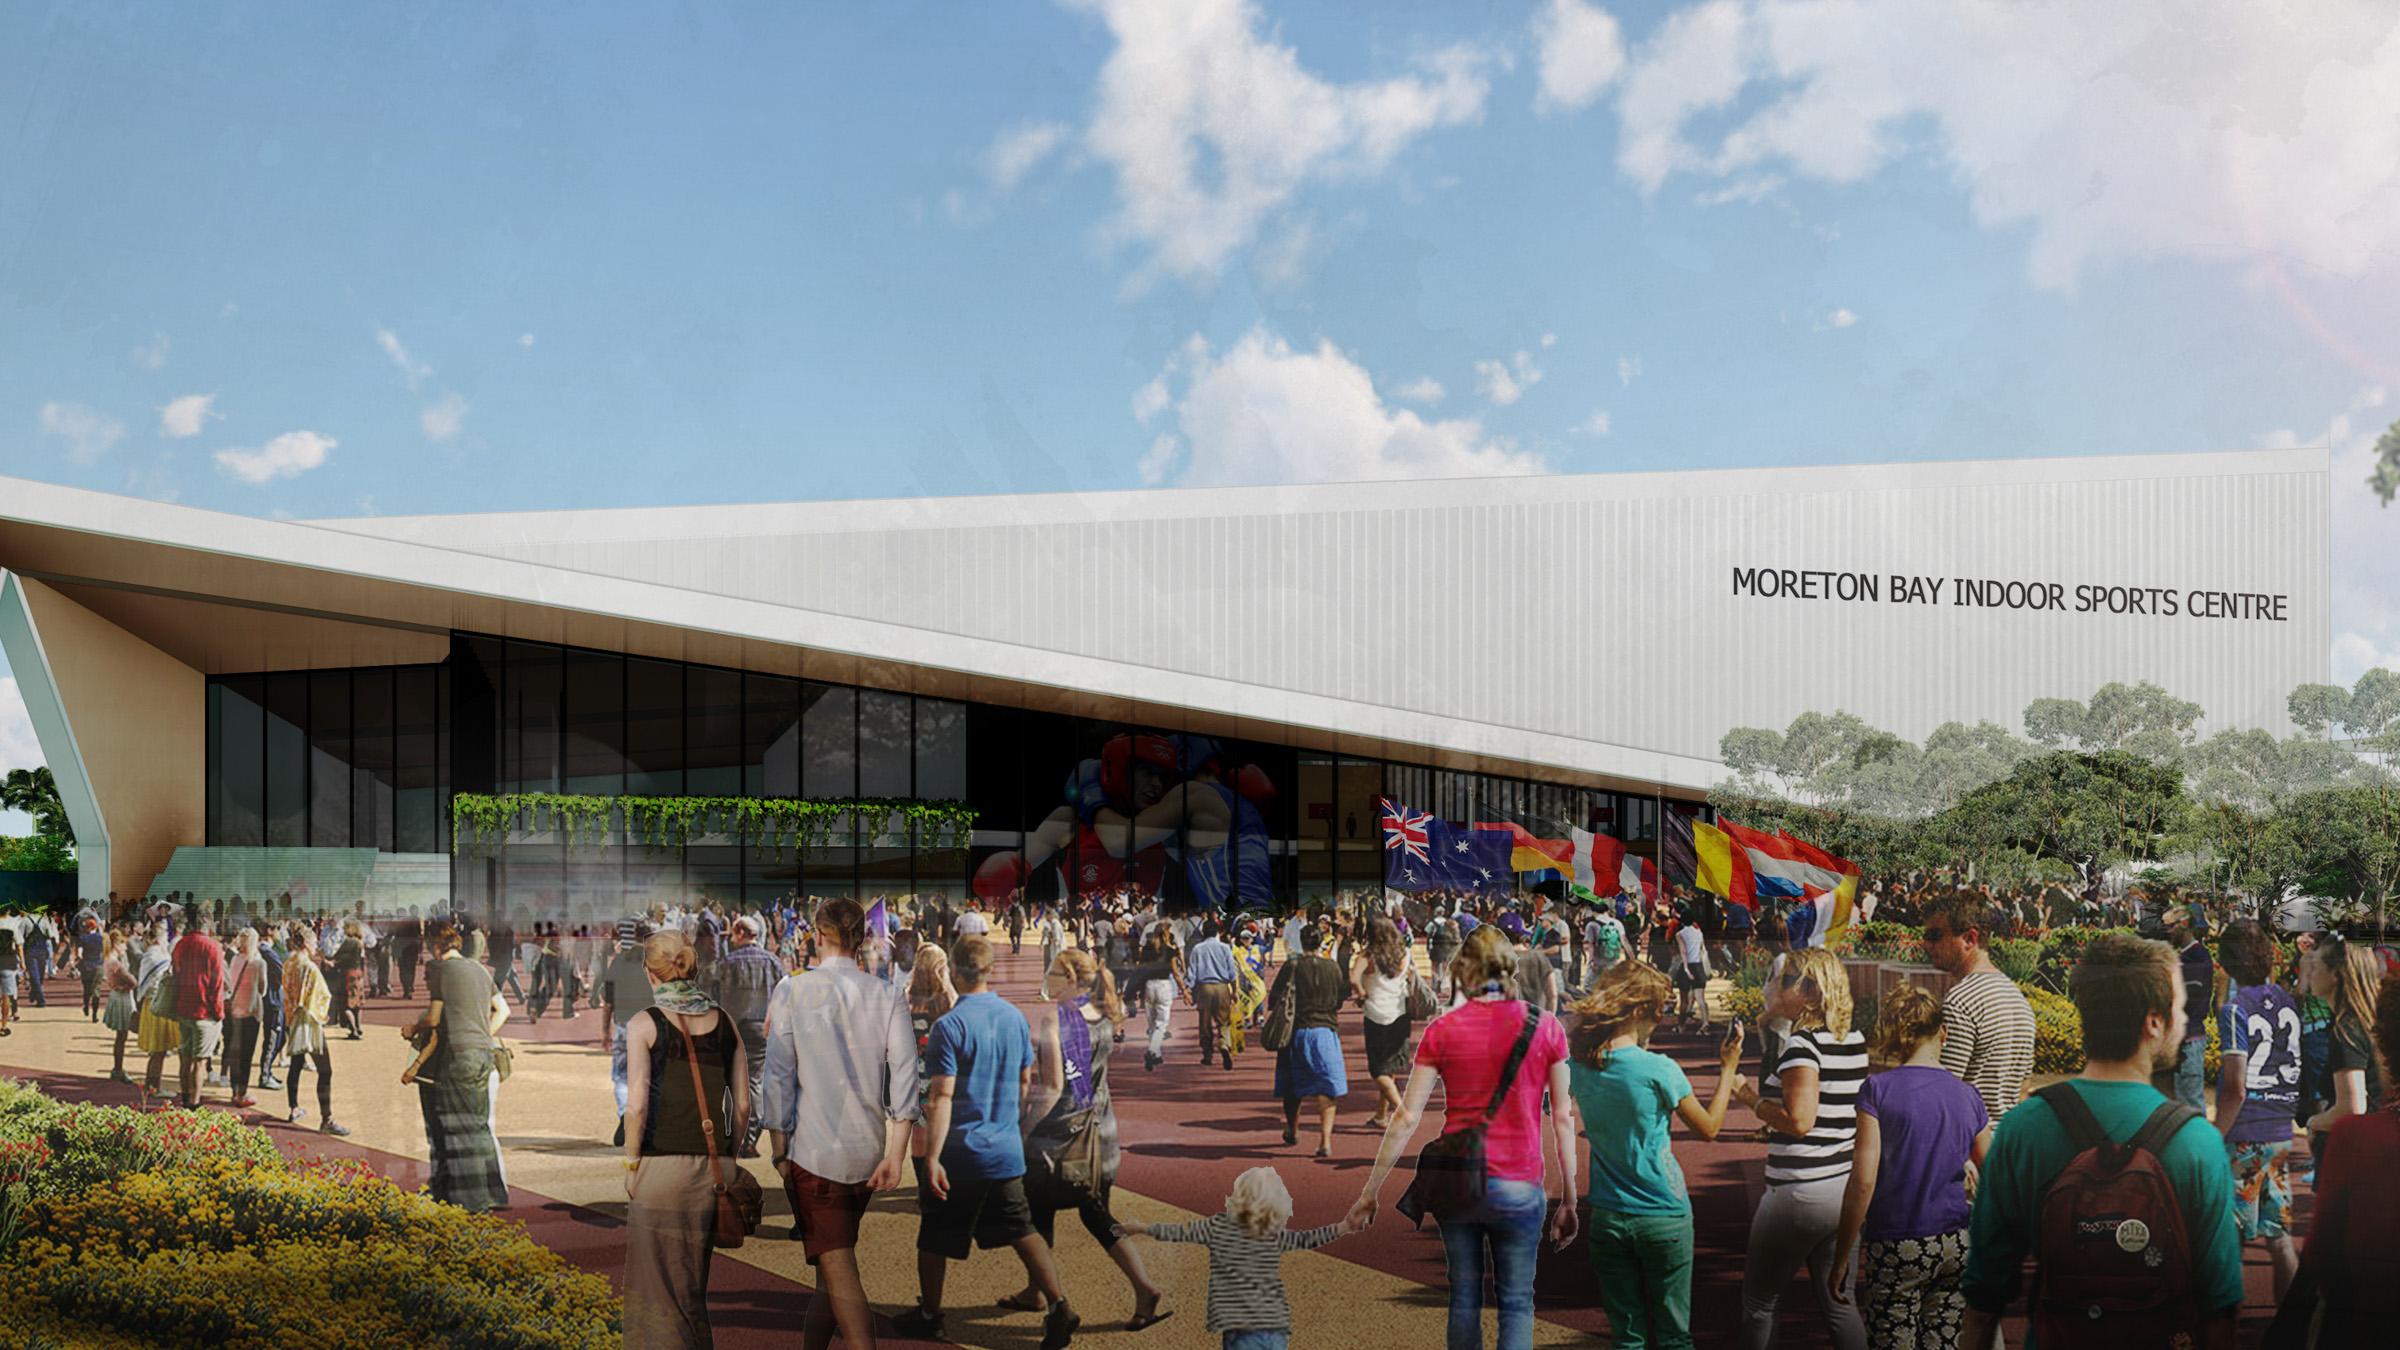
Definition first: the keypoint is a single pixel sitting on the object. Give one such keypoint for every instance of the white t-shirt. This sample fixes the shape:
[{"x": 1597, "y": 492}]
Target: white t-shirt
[
  {"x": 971, "y": 923},
  {"x": 1691, "y": 946},
  {"x": 1291, "y": 936}
]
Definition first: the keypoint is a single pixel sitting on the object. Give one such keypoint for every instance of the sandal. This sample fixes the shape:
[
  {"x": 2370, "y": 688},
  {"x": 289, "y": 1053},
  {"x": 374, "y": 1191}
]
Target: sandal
[
  {"x": 1145, "y": 1321},
  {"x": 1019, "y": 1303}
]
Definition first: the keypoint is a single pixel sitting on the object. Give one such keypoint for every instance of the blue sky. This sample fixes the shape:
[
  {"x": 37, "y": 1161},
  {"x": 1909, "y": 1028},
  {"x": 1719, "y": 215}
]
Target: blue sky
[{"x": 319, "y": 261}]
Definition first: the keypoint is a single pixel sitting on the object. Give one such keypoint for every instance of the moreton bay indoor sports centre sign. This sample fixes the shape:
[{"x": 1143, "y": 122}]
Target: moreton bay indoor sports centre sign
[{"x": 2083, "y": 597}]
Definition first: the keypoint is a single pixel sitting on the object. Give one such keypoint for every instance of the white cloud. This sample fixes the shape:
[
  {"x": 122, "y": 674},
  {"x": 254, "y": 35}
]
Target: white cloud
[
  {"x": 2212, "y": 129},
  {"x": 1504, "y": 382},
  {"x": 1210, "y": 126},
  {"x": 2366, "y": 568},
  {"x": 1159, "y": 459},
  {"x": 1424, "y": 389},
  {"x": 1549, "y": 339},
  {"x": 1151, "y": 399},
  {"x": 88, "y": 432},
  {"x": 1627, "y": 368},
  {"x": 1581, "y": 54},
  {"x": 18, "y": 747},
  {"x": 1594, "y": 425},
  {"x": 151, "y": 355},
  {"x": 1840, "y": 318},
  {"x": 185, "y": 416},
  {"x": 416, "y": 371},
  {"x": 1263, "y": 412},
  {"x": 287, "y": 456},
  {"x": 1016, "y": 151},
  {"x": 442, "y": 418},
  {"x": 524, "y": 339}
]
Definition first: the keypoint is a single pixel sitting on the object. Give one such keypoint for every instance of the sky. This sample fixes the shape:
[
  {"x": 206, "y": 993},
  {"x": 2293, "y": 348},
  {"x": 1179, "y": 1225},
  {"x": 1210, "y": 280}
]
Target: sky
[{"x": 307, "y": 261}]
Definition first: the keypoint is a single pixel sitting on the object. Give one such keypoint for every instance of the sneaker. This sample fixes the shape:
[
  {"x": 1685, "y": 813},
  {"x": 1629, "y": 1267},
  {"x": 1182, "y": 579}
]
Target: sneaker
[
  {"x": 1058, "y": 1329},
  {"x": 1150, "y": 1063},
  {"x": 299, "y": 1113},
  {"x": 270, "y": 1084},
  {"x": 1228, "y": 1061},
  {"x": 922, "y": 1325},
  {"x": 242, "y": 1103},
  {"x": 331, "y": 1128}
]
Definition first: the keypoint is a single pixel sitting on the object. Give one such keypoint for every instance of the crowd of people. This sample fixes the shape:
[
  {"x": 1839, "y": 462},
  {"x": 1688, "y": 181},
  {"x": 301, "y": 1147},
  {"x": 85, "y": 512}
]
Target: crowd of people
[{"x": 1910, "y": 1173}]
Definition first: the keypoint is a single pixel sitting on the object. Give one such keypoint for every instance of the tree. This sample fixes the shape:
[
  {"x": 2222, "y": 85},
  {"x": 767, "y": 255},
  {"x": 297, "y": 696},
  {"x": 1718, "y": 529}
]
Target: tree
[
  {"x": 2088, "y": 812},
  {"x": 2353, "y": 834},
  {"x": 35, "y": 792},
  {"x": 2386, "y": 477}
]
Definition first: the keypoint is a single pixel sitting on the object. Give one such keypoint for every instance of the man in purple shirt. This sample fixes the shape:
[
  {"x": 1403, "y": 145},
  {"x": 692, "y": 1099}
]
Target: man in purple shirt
[{"x": 2258, "y": 1090}]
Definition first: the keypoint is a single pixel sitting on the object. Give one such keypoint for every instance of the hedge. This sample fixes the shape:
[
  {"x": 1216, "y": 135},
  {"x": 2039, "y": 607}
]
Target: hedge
[{"x": 228, "y": 1248}]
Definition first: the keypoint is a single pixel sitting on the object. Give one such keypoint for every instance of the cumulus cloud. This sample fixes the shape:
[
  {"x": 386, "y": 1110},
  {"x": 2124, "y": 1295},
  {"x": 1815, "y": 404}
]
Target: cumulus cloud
[
  {"x": 1840, "y": 318},
  {"x": 1016, "y": 151},
  {"x": 1627, "y": 368},
  {"x": 151, "y": 355},
  {"x": 2366, "y": 568},
  {"x": 442, "y": 418},
  {"x": 1581, "y": 54},
  {"x": 18, "y": 748},
  {"x": 1210, "y": 126},
  {"x": 416, "y": 371},
  {"x": 2213, "y": 129},
  {"x": 1504, "y": 382},
  {"x": 1266, "y": 412},
  {"x": 287, "y": 456},
  {"x": 1424, "y": 389},
  {"x": 1594, "y": 425},
  {"x": 524, "y": 339},
  {"x": 185, "y": 416},
  {"x": 88, "y": 432}
]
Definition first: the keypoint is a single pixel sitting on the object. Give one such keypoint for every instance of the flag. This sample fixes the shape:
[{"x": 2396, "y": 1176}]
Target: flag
[
  {"x": 879, "y": 920},
  {"x": 1528, "y": 853},
  {"x": 1423, "y": 852},
  {"x": 1724, "y": 866},
  {"x": 1603, "y": 863}
]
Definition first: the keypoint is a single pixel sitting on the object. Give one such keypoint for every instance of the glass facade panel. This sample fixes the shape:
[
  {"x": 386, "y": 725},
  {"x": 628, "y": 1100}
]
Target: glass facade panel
[
  {"x": 592, "y": 725},
  {"x": 529, "y": 718},
  {"x": 371, "y": 784},
  {"x": 941, "y": 750},
  {"x": 329, "y": 759},
  {"x": 287, "y": 761},
  {"x": 416, "y": 760},
  {"x": 1320, "y": 829},
  {"x": 654, "y": 728},
  {"x": 828, "y": 741},
  {"x": 238, "y": 727},
  {"x": 770, "y": 736},
  {"x": 712, "y": 732},
  {"x": 886, "y": 744}
]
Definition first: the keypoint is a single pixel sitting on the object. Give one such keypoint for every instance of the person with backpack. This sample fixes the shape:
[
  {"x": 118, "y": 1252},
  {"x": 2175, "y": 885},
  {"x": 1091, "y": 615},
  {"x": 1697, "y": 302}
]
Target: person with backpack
[{"x": 2122, "y": 1197}]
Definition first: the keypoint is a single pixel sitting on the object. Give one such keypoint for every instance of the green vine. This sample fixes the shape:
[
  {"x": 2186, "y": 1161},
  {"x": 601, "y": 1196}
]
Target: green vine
[{"x": 481, "y": 820}]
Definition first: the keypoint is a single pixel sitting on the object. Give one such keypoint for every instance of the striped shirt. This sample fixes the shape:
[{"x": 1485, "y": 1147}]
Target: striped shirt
[
  {"x": 1245, "y": 1275},
  {"x": 1990, "y": 1037},
  {"x": 1841, "y": 1065}
]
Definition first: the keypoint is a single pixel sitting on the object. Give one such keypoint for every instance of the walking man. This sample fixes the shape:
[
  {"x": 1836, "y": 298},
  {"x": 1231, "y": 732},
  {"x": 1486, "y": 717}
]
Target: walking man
[
  {"x": 199, "y": 1002},
  {"x": 979, "y": 1063},
  {"x": 841, "y": 1094},
  {"x": 37, "y": 958},
  {"x": 1987, "y": 1024},
  {"x": 743, "y": 984},
  {"x": 1210, "y": 969}
]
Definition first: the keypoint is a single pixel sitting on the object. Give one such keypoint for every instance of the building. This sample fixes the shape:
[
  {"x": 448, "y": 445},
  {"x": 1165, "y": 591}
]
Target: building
[{"x": 235, "y": 703}]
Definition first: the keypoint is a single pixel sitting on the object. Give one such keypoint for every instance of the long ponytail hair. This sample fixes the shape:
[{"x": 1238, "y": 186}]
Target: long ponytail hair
[{"x": 1086, "y": 975}]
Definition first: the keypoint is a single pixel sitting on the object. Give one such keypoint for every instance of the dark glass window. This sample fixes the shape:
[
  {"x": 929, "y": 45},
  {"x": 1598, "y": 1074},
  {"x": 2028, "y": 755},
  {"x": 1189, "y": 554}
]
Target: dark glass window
[
  {"x": 770, "y": 735},
  {"x": 242, "y": 778},
  {"x": 416, "y": 760},
  {"x": 993, "y": 788},
  {"x": 941, "y": 750},
  {"x": 287, "y": 761},
  {"x": 886, "y": 742},
  {"x": 329, "y": 759},
  {"x": 371, "y": 784},
  {"x": 712, "y": 732},
  {"x": 653, "y": 728},
  {"x": 592, "y": 746},
  {"x": 829, "y": 741},
  {"x": 529, "y": 757}
]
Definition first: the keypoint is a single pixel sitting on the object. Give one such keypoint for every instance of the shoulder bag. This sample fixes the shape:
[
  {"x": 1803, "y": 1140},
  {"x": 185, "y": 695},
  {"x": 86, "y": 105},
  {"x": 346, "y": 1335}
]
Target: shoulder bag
[
  {"x": 1450, "y": 1170},
  {"x": 1283, "y": 1013},
  {"x": 741, "y": 1201},
  {"x": 1422, "y": 1003},
  {"x": 1081, "y": 1163}
]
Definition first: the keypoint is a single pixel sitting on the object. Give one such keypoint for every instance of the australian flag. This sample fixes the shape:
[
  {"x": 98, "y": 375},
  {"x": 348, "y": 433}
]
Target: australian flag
[{"x": 1422, "y": 852}]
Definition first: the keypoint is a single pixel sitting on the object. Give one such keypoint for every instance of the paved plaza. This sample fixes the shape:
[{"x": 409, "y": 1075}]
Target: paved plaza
[{"x": 1187, "y": 1130}]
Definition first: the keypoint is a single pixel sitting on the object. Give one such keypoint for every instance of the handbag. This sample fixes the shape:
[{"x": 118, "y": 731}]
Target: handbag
[
  {"x": 504, "y": 1059},
  {"x": 1422, "y": 1004},
  {"x": 741, "y": 1201},
  {"x": 1081, "y": 1163},
  {"x": 1283, "y": 1012},
  {"x": 1450, "y": 1170}
]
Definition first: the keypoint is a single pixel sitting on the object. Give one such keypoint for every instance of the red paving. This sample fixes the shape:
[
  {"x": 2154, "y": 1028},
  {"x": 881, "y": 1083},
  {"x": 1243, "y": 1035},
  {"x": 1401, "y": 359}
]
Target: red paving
[{"x": 1186, "y": 1131}]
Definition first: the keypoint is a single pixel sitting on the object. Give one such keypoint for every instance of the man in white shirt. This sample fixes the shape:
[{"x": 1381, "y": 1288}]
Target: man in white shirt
[
  {"x": 841, "y": 1091},
  {"x": 973, "y": 923},
  {"x": 1292, "y": 928},
  {"x": 1692, "y": 972}
]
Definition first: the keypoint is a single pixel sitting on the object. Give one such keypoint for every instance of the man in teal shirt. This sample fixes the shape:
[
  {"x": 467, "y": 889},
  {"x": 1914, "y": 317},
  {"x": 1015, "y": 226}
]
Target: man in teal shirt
[{"x": 2129, "y": 993}]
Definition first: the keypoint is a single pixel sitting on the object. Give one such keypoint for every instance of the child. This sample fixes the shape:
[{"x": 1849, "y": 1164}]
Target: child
[
  {"x": 1246, "y": 1243},
  {"x": 1919, "y": 1128}
]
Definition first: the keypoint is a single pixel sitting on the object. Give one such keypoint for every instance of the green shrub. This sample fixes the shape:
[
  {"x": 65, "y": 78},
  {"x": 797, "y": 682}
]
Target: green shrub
[
  {"x": 2020, "y": 959},
  {"x": 52, "y": 1148},
  {"x": 2057, "y": 1032}
]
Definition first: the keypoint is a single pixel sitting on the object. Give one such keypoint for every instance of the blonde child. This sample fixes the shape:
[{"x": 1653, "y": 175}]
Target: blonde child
[{"x": 1246, "y": 1243}]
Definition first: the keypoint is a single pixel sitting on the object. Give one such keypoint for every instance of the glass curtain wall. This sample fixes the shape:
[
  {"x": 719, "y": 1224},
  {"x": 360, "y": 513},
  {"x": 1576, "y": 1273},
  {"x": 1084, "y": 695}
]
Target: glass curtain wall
[{"x": 328, "y": 759}]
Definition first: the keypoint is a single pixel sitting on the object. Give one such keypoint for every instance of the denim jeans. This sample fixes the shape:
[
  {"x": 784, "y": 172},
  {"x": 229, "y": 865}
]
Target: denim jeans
[
  {"x": 1257, "y": 1340},
  {"x": 2188, "y": 1085},
  {"x": 616, "y": 1067},
  {"x": 1509, "y": 1225},
  {"x": 1644, "y": 1262}
]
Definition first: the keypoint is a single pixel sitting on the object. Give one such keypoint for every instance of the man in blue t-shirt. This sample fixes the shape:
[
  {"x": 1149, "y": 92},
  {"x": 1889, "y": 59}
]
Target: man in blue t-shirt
[
  {"x": 2258, "y": 1091},
  {"x": 978, "y": 1065}
]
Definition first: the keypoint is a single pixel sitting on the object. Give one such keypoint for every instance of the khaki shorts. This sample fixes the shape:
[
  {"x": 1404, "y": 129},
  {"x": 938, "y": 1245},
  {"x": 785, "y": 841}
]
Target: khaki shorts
[{"x": 202, "y": 1039}]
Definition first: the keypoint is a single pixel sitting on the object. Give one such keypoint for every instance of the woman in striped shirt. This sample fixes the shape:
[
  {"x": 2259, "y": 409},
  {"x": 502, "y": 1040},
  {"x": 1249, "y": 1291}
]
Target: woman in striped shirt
[{"x": 1812, "y": 1122}]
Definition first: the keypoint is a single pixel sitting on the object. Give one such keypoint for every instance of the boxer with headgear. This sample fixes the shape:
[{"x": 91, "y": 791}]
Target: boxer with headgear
[{"x": 1087, "y": 833}]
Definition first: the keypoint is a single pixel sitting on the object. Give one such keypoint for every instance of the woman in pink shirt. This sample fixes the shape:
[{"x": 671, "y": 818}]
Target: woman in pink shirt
[
  {"x": 1467, "y": 1050},
  {"x": 243, "y": 975}
]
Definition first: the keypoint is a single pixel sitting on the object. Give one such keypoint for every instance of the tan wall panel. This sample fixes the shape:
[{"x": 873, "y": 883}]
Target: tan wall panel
[{"x": 141, "y": 720}]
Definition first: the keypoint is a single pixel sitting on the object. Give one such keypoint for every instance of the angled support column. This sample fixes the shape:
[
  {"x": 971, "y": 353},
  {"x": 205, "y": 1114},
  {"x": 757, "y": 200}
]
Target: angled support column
[{"x": 123, "y": 727}]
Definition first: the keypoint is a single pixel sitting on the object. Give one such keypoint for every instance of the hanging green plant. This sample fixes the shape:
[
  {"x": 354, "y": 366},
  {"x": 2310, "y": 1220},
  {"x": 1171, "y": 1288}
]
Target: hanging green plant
[{"x": 482, "y": 820}]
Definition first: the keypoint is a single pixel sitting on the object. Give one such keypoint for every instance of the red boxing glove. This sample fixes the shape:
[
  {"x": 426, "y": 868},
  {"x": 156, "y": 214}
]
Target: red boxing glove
[
  {"x": 1252, "y": 782},
  {"x": 1001, "y": 875}
]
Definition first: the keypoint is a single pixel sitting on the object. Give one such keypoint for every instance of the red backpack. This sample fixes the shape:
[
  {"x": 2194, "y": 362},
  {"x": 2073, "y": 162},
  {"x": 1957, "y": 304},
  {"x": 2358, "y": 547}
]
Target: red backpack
[{"x": 2114, "y": 1264}]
